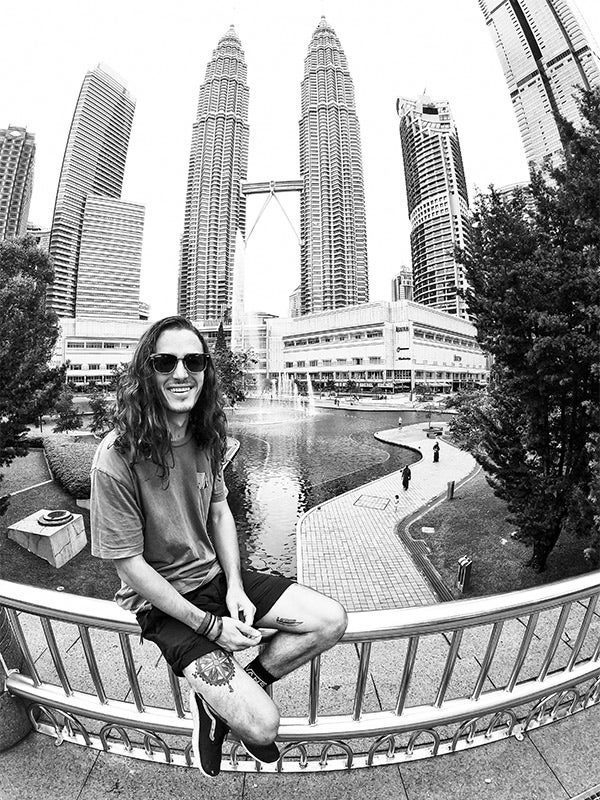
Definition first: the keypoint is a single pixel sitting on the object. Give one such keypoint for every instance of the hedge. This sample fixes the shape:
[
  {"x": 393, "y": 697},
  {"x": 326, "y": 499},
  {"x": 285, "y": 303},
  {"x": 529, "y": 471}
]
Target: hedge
[{"x": 70, "y": 460}]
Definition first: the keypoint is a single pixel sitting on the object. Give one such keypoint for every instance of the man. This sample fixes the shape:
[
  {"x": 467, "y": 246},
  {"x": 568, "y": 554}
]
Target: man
[
  {"x": 159, "y": 512},
  {"x": 406, "y": 476}
]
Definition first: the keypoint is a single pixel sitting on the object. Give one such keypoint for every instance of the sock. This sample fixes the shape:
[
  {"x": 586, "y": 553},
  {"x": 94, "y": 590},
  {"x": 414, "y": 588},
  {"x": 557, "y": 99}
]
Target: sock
[{"x": 259, "y": 673}]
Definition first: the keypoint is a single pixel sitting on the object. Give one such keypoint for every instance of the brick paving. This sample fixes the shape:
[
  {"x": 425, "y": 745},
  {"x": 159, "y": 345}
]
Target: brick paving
[{"x": 347, "y": 547}]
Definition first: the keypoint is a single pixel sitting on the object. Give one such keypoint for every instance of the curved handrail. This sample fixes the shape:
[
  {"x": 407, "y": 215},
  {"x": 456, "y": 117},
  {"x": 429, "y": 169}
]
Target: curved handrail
[
  {"x": 362, "y": 625},
  {"x": 565, "y": 678}
]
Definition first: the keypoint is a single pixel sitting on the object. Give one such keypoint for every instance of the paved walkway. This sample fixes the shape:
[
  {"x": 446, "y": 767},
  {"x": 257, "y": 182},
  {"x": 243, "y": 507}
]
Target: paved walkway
[{"x": 347, "y": 547}]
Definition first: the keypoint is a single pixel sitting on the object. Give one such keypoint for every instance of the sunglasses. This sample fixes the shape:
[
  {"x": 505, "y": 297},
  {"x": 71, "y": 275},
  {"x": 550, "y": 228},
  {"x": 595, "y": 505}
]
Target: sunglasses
[{"x": 165, "y": 363}]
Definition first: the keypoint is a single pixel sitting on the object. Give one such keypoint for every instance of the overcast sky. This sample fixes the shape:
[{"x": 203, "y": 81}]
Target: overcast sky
[{"x": 161, "y": 50}]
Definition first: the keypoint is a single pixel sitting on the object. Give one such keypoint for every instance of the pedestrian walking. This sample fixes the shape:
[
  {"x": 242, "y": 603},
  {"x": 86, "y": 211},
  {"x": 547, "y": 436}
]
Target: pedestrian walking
[
  {"x": 399, "y": 422},
  {"x": 406, "y": 476},
  {"x": 396, "y": 502},
  {"x": 436, "y": 453}
]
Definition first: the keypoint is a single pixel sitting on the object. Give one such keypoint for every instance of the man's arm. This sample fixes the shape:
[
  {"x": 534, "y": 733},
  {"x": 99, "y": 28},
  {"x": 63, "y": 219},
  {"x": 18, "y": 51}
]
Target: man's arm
[
  {"x": 224, "y": 535},
  {"x": 149, "y": 584}
]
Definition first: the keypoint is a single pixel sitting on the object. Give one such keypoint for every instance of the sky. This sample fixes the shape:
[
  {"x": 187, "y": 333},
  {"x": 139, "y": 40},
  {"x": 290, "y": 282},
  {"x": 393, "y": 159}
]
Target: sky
[{"x": 160, "y": 50}]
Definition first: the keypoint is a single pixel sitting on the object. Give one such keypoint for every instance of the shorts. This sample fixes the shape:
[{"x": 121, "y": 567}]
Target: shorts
[{"x": 179, "y": 644}]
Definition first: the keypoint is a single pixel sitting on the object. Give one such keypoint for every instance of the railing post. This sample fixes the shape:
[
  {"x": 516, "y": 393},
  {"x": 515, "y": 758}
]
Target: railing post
[{"x": 14, "y": 722}]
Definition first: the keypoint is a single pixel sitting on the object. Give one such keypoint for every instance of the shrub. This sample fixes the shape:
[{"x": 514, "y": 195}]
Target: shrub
[{"x": 70, "y": 461}]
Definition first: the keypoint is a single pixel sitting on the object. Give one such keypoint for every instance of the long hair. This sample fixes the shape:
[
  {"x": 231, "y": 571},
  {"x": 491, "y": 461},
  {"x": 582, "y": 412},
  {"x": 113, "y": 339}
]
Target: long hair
[{"x": 140, "y": 419}]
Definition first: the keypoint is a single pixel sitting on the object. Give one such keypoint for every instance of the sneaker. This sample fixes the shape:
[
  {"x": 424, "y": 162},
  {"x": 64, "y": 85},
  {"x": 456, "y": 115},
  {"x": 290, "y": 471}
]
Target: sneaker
[
  {"x": 207, "y": 736},
  {"x": 266, "y": 753}
]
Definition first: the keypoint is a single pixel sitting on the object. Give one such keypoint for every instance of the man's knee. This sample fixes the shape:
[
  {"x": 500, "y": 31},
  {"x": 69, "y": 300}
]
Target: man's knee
[
  {"x": 262, "y": 728},
  {"x": 333, "y": 621}
]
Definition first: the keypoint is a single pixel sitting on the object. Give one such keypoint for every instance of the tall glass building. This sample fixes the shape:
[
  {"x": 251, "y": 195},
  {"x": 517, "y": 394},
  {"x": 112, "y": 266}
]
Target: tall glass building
[
  {"x": 215, "y": 207},
  {"x": 545, "y": 55},
  {"x": 94, "y": 163},
  {"x": 438, "y": 204},
  {"x": 110, "y": 259},
  {"x": 333, "y": 250},
  {"x": 17, "y": 156}
]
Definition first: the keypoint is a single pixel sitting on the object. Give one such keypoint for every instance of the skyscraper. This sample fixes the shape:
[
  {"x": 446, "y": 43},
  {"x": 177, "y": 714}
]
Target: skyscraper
[
  {"x": 544, "y": 55},
  {"x": 215, "y": 207},
  {"x": 94, "y": 163},
  {"x": 333, "y": 250},
  {"x": 17, "y": 155},
  {"x": 438, "y": 204},
  {"x": 110, "y": 259},
  {"x": 402, "y": 284}
]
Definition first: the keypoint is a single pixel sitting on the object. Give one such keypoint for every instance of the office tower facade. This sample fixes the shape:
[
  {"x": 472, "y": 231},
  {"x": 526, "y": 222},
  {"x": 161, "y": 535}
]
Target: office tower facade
[
  {"x": 438, "y": 203},
  {"x": 545, "y": 56},
  {"x": 333, "y": 249},
  {"x": 110, "y": 259},
  {"x": 17, "y": 156},
  {"x": 94, "y": 163},
  {"x": 215, "y": 208},
  {"x": 402, "y": 285}
]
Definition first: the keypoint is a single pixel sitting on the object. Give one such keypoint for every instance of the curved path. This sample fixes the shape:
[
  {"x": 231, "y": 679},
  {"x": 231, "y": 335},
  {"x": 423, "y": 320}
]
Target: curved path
[{"x": 347, "y": 547}]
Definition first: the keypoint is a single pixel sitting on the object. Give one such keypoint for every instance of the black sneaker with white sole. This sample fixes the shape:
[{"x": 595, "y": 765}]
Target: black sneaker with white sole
[
  {"x": 208, "y": 735},
  {"x": 265, "y": 753}
]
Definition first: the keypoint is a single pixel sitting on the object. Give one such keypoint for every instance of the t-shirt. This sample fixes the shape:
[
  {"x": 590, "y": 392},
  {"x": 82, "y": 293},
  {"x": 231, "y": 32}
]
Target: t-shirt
[{"x": 134, "y": 513}]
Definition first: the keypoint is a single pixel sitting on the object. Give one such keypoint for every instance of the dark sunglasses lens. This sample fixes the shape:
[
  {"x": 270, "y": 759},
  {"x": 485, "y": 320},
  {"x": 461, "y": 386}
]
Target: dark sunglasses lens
[
  {"x": 195, "y": 362},
  {"x": 164, "y": 363}
]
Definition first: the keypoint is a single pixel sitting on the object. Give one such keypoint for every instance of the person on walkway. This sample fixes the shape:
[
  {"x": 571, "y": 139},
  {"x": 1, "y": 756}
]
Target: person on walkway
[
  {"x": 159, "y": 511},
  {"x": 399, "y": 422},
  {"x": 436, "y": 453},
  {"x": 406, "y": 476}
]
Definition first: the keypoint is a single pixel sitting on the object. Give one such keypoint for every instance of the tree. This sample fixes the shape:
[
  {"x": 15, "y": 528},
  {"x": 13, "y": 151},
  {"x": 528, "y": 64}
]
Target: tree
[
  {"x": 351, "y": 386},
  {"x": 534, "y": 293},
  {"x": 69, "y": 416},
  {"x": 28, "y": 333},
  {"x": 231, "y": 369},
  {"x": 101, "y": 411}
]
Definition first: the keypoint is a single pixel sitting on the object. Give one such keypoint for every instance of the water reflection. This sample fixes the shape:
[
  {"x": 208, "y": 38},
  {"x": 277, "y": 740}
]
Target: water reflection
[{"x": 289, "y": 462}]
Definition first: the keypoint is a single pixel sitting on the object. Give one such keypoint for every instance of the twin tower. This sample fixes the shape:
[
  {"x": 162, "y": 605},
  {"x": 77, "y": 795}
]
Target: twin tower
[{"x": 333, "y": 245}]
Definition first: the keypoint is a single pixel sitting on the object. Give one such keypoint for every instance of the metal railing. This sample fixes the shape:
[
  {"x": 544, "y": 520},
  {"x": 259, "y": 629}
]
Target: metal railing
[{"x": 402, "y": 685}]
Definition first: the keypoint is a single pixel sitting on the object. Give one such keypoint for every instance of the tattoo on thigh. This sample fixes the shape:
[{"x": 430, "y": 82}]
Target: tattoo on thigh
[
  {"x": 290, "y": 623},
  {"x": 216, "y": 669}
]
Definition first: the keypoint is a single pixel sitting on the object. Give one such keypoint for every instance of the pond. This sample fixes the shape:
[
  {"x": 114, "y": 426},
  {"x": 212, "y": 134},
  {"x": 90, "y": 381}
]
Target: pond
[{"x": 289, "y": 462}]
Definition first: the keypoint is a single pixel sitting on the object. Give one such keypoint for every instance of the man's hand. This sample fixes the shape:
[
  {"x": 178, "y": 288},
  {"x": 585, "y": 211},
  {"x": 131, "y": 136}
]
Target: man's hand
[
  {"x": 237, "y": 635},
  {"x": 239, "y": 604}
]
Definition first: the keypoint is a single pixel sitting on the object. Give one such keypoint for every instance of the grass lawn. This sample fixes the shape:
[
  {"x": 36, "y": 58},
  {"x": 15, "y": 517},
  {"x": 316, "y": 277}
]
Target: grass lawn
[
  {"x": 474, "y": 524},
  {"x": 84, "y": 574},
  {"x": 25, "y": 471}
]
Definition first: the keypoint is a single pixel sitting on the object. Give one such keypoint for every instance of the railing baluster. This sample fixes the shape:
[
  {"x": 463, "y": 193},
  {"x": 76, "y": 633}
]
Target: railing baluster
[
  {"x": 361, "y": 680},
  {"x": 20, "y": 636},
  {"x": 176, "y": 693},
  {"x": 487, "y": 659},
  {"x": 407, "y": 672},
  {"x": 315, "y": 685},
  {"x": 90, "y": 657},
  {"x": 56, "y": 656},
  {"x": 554, "y": 642},
  {"x": 131, "y": 673},
  {"x": 449, "y": 668},
  {"x": 523, "y": 650},
  {"x": 585, "y": 626}
]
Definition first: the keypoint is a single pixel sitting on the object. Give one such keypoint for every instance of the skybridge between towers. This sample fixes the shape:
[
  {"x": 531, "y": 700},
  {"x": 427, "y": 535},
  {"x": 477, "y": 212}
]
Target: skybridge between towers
[{"x": 272, "y": 189}]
